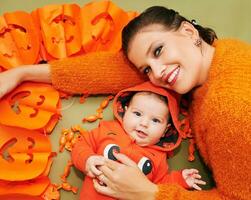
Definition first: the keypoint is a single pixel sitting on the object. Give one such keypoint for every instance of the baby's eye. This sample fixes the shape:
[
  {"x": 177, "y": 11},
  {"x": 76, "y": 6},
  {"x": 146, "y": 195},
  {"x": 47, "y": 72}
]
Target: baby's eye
[
  {"x": 157, "y": 51},
  {"x": 156, "y": 120},
  {"x": 147, "y": 70},
  {"x": 137, "y": 113}
]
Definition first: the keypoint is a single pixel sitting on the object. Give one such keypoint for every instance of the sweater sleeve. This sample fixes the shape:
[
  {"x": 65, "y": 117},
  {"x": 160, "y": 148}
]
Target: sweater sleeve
[
  {"x": 95, "y": 73},
  {"x": 84, "y": 148},
  {"x": 172, "y": 186},
  {"x": 176, "y": 192}
]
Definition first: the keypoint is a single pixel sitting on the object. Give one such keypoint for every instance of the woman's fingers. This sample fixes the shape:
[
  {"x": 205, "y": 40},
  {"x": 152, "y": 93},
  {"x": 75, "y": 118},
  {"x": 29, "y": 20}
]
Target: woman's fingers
[
  {"x": 125, "y": 160},
  {"x": 106, "y": 171},
  {"x": 103, "y": 189},
  {"x": 95, "y": 171},
  {"x": 111, "y": 164},
  {"x": 103, "y": 180}
]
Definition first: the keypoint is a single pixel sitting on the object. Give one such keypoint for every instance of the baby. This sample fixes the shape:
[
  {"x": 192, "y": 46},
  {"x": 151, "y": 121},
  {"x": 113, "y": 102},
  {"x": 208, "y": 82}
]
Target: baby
[{"x": 146, "y": 129}]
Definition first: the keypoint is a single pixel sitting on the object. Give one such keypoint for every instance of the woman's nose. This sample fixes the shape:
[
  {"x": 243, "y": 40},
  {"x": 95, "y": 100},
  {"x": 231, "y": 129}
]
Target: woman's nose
[{"x": 157, "y": 71}]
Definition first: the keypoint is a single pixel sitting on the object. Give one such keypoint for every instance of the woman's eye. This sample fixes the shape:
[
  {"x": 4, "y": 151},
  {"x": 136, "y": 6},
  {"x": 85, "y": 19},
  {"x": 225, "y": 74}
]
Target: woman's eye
[
  {"x": 157, "y": 51},
  {"x": 146, "y": 70},
  {"x": 137, "y": 113},
  {"x": 156, "y": 120}
]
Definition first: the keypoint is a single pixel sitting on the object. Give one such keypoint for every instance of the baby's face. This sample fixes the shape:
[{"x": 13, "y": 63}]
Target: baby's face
[{"x": 146, "y": 119}]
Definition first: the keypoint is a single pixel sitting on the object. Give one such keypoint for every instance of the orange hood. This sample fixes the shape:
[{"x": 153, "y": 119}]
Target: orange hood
[{"x": 173, "y": 137}]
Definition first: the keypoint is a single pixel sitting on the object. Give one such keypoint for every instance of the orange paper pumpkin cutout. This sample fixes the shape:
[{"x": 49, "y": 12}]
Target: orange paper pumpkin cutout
[
  {"x": 60, "y": 29},
  {"x": 19, "y": 41},
  {"x": 37, "y": 105},
  {"x": 24, "y": 154},
  {"x": 101, "y": 26},
  {"x": 24, "y": 190},
  {"x": 9, "y": 55}
]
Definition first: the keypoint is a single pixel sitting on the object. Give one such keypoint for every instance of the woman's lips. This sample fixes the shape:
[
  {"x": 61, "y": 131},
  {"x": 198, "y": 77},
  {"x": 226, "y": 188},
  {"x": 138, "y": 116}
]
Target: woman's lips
[{"x": 172, "y": 76}]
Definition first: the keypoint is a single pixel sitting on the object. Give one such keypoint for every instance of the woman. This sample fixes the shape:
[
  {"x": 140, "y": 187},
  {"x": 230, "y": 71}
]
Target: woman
[{"x": 182, "y": 56}]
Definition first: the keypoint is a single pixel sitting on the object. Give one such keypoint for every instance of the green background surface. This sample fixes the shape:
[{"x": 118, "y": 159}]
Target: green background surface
[{"x": 229, "y": 18}]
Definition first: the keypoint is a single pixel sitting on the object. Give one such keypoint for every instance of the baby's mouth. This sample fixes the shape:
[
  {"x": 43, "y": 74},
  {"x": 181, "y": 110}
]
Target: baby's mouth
[{"x": 141, "y": 134}]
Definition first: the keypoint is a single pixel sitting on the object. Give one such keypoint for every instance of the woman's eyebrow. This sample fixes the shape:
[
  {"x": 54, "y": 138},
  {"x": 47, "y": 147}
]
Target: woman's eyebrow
[{"x": 149, "y": 49}]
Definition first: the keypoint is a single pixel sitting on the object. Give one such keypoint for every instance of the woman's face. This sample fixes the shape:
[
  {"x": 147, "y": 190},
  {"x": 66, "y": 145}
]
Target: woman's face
[{"x": 170, "y": 59}]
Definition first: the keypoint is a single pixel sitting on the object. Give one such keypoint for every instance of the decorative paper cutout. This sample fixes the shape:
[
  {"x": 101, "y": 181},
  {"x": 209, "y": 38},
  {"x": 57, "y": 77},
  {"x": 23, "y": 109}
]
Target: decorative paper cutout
[
  {"x": 51, "y": 32},
  {"x": 17, "y": 189},
  {"x": 60, "y": 29},
  {"x": 24, "y": 154},
  {"x": 19, "y": 43},
  {"x": 101, "y": 25},
  {"x": 37, "y": 104}
]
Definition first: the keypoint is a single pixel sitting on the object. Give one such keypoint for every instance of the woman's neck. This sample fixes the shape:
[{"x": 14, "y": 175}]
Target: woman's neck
[{"x": 207, "y": 53}]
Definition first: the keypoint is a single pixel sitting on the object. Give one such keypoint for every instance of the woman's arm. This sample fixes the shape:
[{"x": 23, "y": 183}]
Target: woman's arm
[
  {"x": 10, "y": 79},
  {"x": 94, "y": 73}
]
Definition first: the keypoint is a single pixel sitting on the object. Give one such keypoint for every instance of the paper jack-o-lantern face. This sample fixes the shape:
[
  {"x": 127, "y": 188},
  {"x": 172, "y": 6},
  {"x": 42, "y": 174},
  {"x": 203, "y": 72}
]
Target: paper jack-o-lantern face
[
  {"x": 37, "y": 106},
  {"x": 101, "y": 26},
  {"x": 19, "y": 41},
  {"x": 60, "y": 29},
  {"x": 23, "y": 189},
  {"x": 25, "y": 154}
]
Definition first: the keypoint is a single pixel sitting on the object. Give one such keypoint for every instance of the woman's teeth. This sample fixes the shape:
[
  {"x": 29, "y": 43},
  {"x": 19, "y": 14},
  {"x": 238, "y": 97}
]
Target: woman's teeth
[{"x": 173, "y": 75}]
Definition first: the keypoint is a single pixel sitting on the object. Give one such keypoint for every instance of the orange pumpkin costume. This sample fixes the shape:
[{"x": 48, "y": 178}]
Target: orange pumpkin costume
[{"x": 110, "y": 136}]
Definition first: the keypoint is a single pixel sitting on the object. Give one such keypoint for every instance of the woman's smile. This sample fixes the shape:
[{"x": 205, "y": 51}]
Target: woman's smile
[{"x": 172, "y": 76}]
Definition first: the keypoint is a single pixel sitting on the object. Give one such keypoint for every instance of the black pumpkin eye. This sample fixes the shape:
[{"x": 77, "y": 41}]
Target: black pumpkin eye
[
  {"x": 145, "y": 165},
  {"x": 109, "y": 149}
]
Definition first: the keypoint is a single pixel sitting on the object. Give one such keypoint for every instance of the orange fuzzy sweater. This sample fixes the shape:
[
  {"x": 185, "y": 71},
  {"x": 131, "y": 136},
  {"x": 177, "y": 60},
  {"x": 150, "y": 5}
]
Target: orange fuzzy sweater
[
  {"x": 220, "y": 112},
  {"x": 97, "y": 73}
]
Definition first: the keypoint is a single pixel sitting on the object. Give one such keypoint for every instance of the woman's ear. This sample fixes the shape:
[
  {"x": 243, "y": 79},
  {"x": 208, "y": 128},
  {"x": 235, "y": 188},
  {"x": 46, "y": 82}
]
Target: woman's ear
[{"x": 188, "y": 29}]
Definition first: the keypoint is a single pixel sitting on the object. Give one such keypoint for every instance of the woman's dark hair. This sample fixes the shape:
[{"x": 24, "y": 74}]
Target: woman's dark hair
[{"x": 170, "y": 19}]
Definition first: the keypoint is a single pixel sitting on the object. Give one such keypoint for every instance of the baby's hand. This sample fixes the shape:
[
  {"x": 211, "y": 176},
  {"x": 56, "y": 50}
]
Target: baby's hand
[
  {"x": 192, "y": 178},
  {"x": 91, "y": 165}
]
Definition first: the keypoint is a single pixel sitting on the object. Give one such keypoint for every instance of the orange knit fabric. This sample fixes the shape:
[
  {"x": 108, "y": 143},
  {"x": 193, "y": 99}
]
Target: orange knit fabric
[
  {"x": 220, "y": 113},
  {"x": 97, "y": 73},
  {"x": 220, "y": 118}
]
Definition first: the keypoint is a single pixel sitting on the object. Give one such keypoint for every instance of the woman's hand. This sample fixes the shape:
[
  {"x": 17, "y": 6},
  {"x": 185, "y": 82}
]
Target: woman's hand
[
  {"x": 124, "y": 180},
  {"x": 11, "y": 78}
]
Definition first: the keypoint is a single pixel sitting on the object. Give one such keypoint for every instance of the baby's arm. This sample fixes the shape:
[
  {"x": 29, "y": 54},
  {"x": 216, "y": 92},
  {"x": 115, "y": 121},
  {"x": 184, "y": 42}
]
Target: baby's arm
[
  {"x": 187, "y": 178},
  {"x": 85, "y": 148},
  {"x": 193, "y": 178}
]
